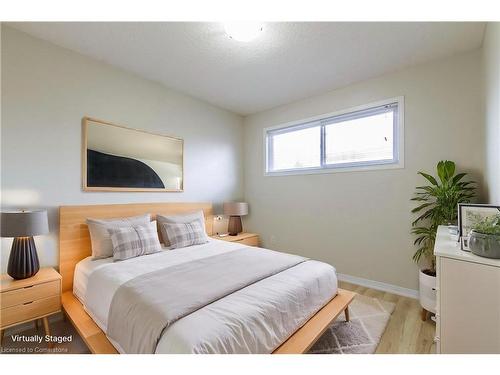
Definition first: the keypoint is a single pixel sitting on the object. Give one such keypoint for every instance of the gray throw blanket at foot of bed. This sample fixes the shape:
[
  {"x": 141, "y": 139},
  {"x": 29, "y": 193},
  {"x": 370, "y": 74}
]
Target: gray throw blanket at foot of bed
[{"x": 145, "y": 306}]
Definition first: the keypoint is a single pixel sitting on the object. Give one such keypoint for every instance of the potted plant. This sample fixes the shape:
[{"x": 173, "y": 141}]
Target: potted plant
[
  {"x": 484, "y": 239},
  {"x": 437, "y": 206}
]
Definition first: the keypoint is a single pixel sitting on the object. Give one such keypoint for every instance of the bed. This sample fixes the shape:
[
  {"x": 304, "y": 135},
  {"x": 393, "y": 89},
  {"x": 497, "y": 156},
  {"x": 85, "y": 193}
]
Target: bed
[{"x": 283, "y": 313}]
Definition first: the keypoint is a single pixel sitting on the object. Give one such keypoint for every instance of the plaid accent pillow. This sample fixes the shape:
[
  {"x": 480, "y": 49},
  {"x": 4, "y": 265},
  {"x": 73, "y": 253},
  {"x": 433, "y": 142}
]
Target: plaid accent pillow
[
  {"x": 185, "y": 234},
  {"x": 134, "y": 241},
  {"x": 102, "y": 247},
  {"x": 184, "y": 218}
]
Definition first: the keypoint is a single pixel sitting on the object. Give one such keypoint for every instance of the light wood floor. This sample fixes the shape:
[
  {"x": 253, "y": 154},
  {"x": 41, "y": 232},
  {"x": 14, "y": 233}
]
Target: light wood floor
[{"x": 406, "y": 332}]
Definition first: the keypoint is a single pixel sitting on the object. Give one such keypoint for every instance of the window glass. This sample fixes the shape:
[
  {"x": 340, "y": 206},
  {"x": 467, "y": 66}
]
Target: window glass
[
  {"x": 297, "y": 149},
  {"x": 362, "y": 139}
]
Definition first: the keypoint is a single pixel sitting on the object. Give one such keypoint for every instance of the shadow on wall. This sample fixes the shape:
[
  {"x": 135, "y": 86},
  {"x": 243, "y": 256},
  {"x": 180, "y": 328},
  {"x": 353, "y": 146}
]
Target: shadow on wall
[{"x": 482, "y": 189}]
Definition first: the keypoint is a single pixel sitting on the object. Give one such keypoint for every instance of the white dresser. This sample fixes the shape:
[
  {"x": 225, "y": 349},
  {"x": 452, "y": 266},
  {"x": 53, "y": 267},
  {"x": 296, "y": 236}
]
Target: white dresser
[{"x": 468, "y": 299}]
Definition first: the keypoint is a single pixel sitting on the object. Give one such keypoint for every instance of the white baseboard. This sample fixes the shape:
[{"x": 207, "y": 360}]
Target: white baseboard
[{"x": 378, "y": 285}]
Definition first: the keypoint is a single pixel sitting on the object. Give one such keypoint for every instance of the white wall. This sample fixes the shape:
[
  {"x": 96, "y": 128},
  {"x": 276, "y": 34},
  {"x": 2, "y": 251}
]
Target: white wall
[
  {"x": 360, "y": 221},
  {"x": 46, "y": 90},
  {"x": 491, "y": 61}
]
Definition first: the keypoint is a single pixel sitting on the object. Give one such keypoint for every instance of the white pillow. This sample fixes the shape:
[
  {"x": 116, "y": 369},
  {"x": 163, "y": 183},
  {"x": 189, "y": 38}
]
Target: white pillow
[
  {"x": 102, "y": 247},
  {"x": 176, "y": 219}
]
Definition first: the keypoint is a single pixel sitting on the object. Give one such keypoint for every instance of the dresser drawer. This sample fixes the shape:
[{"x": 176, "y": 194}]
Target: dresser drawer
[
  {"x": 251, "y": 241},
  {"x": 29, "y": 310},
  {"x": 30, "y": 293}
]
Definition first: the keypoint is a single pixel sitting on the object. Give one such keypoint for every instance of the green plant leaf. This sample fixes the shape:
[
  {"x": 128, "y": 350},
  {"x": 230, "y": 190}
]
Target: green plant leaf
[
  {"x": 458, "y": 177},
  {"x": 437, "y": 205},
  {"x": 421, "y": 207},
  {"x": 488, "y": 225},
  {"x": 431, "y": 179},
  {"x": 423, "y": 216},
  {"x": 445, "y": 170},
  {"x": 419, "y": 199}
]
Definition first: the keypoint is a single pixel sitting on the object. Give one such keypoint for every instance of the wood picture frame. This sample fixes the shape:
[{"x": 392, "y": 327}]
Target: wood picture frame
[{"x": 88, "y": 184}]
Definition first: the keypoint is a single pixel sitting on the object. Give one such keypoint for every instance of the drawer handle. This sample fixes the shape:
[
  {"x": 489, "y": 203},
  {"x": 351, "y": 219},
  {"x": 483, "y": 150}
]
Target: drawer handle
[
  {"x": 27, "y": 287},
  {"x": 27, "y": 303}
]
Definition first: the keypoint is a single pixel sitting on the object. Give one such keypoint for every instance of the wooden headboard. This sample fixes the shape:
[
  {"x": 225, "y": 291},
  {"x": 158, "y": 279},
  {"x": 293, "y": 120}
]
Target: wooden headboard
[{"x": 74, "y": 237}]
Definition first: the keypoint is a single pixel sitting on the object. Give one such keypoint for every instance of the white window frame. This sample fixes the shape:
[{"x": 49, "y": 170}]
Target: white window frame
[{"x": 325, "y": 119}]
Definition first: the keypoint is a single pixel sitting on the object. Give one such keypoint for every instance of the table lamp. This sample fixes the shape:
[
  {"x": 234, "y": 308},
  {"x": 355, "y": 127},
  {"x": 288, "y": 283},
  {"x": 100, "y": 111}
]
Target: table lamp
[
  {"x": 23, "y": 225},
  {"x": 235, "y": 210}
]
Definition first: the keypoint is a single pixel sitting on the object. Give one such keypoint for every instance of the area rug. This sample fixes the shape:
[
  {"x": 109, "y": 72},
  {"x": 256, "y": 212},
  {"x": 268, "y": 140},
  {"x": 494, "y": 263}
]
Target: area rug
[{"x": 369, "y": 318}]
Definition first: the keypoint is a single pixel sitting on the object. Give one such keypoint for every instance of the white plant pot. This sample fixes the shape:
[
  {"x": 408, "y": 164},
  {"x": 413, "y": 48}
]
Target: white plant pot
[{"x": 427, "y": 292}]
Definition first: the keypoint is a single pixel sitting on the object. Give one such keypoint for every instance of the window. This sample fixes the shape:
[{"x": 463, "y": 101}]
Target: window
[{"x": 366, "y": 137}]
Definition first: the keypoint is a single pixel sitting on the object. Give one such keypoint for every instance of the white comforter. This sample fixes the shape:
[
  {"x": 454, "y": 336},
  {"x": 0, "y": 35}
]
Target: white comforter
[{"x": 256, "y": 319}]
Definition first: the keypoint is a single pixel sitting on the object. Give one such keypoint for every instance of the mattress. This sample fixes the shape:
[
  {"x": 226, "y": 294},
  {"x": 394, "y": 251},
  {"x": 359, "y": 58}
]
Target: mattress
[
  {"x": 83, "y": 270},
  {"x": 255, "y": 319}
]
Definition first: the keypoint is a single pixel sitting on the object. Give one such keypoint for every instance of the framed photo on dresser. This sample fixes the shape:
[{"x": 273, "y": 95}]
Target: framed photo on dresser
[{"x": 470, "y": 214}]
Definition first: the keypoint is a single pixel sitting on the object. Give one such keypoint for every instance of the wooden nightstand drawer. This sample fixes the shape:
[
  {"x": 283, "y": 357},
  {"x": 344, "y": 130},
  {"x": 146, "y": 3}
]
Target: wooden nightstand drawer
[
  {"x": 29, "y": 294},
  {"x": 29, "y": 310},
  {"x": 251, "y": 241}
]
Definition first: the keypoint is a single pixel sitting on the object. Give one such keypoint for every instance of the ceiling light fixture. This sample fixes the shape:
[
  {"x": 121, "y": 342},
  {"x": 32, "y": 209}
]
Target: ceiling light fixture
[{"x": 243, "y": 31}]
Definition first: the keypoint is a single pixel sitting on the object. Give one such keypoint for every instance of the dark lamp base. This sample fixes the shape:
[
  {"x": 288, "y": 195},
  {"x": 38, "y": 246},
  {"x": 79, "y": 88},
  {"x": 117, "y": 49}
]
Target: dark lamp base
[
  {"x": 234, "y": 226},
  {"x": 23, "y": 259}
]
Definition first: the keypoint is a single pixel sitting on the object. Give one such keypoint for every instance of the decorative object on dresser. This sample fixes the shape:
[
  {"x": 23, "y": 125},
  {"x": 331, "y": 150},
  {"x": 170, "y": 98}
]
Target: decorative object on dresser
[
  {"x": 250, "y": 239},
  {"x": 116, "y": 158},
  {"x": 235, "y": 210},
  {"x": 484, "y": 239},
  {"x": 30, "y": 299},
  {"x": 437, "y": 206},
  {"x": 469, "y": 215},
  {"x": 23, "y": 225},
  {"x": 468, "y": 300}
]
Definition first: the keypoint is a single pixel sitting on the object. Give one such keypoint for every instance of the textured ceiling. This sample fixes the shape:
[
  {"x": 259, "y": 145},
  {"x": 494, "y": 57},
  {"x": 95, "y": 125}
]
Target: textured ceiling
[{"x": 287, "y": 62}]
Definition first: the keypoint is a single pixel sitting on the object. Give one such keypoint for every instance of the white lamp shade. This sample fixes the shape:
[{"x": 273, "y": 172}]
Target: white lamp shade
[{"x": 235, "y": 208}]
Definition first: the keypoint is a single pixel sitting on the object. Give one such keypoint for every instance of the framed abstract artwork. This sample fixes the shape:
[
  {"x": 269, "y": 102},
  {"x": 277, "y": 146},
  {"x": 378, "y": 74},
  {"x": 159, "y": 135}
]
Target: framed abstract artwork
[{"x": 116, "y": 158}]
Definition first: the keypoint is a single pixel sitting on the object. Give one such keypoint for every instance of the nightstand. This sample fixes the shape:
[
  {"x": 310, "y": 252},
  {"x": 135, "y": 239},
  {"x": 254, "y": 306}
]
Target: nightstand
[
  {"x": 250, "y": 239},
  {"x": 29, "y": 299}
]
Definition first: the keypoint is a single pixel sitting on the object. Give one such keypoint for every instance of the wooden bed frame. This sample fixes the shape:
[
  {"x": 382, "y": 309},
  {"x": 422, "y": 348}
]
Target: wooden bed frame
[{"x": 74, "y": 245}]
